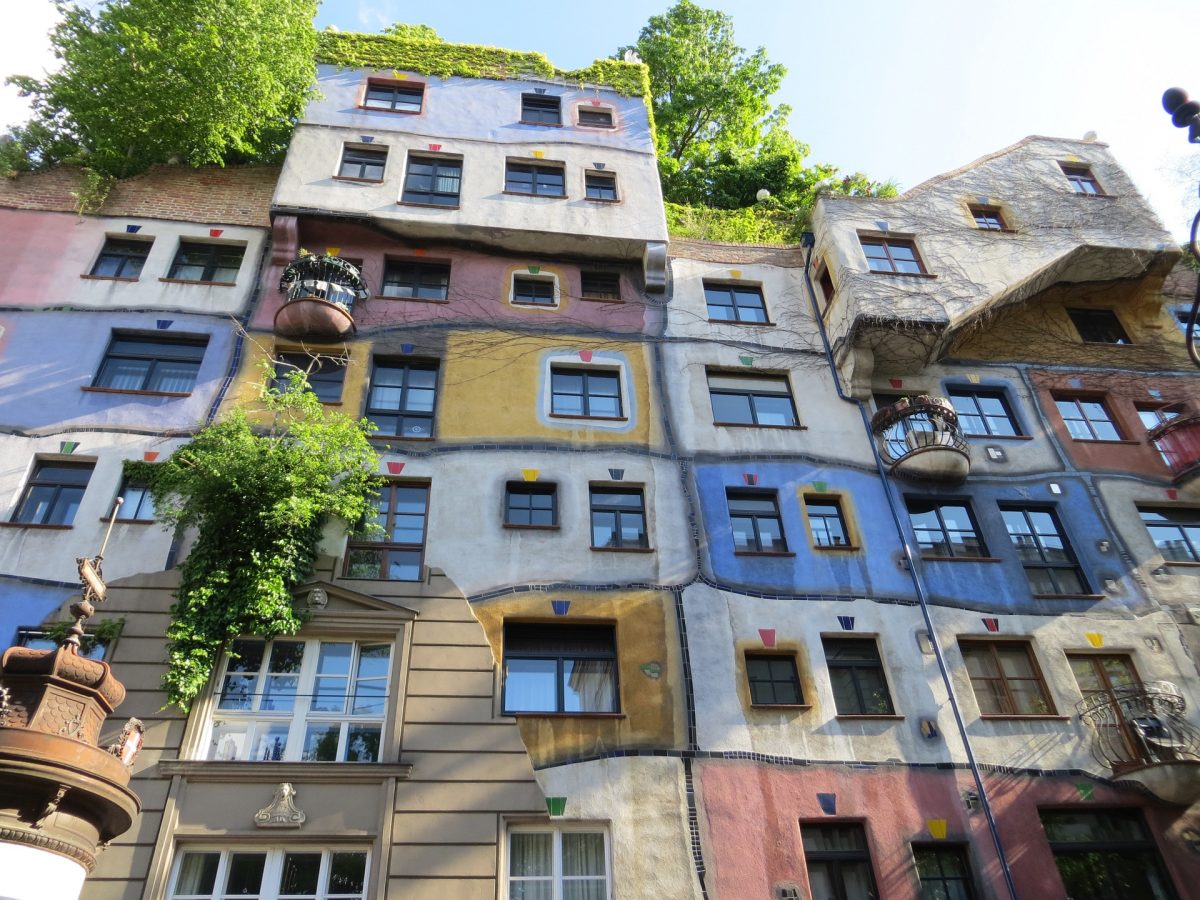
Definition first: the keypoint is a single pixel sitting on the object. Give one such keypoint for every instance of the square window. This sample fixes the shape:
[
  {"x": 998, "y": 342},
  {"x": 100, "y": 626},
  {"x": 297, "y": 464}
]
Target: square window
[
  {"x": 825, "y": 522},
  {"x": 136, "y": 362},
  {"x": 983, "y": 412},
  {"x": 324, "y": 374},
  {"x": 595, "y": 117},
  {"x": 53, "y": 493},
  {"x": 432, "y": 181},
  {"x": 409, "y": 280},
  {"x": 893, "y": 255},
  {"x": 121, "y": 258},
  {"x": 1174, "y": 530},
  {"x": 302, "y": 874},
  {"x": 1006, "y": 678},
  {"x": 600, "y": 185},
  {"x": 735, "y": 303},
  {"x": 837, "y": 860},
  {"x": 773, "y": 680},
  {"x": 567, "y": 863},
  {"x": 534, "y": 290},
  {"x": 541, "y": 109},
  {"x": 393, "y": 97},
  {"x": 538, "y": 180},
  {"x": 402, "y": 399},
  {"x": 1098, "y": 326},
  {"x": 1103, "y": 853},
  {"x": 944, "y": 872},
  {"x": 856, "y": 676},
  {"x": 945, "y": 529},
  {"x": 362, "y": 164},
  {"x": 530, "y": 505},
  {"x": 755, "y": 522},
  {"x": 763, "y": 401},
  {"x": 1044, "y": 551},
  {"x": 90, "y": 646},
  {"x": 618, "y": 519},
  {"x": 1087, "y": 419},
  {"x": 600, "y": 285},
  {"x": 138, "y": 505},
  {"x": 585, "y": 393},
  {"x": 392, "y": 550},
  {"x": 1081, "y": 178},
  {"x": 560, "y": 668},
  {"x": 988, "y": 218},
  {"x": 211, "y": 263}
]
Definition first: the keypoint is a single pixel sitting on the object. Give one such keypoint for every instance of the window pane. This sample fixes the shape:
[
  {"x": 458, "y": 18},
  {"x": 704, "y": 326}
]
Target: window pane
[
  {"x": 362, "y": 744},
  {"x": 530, "y": 854},
  {"x": 583, "y": 853},
  {"x": 300, "y": 873},
  {"x": 347, "y": 873},
  {"x": 198, "y": 873},
  {"x": 588, "y": 685},
  {"x": 270, "y": 743},
  {"x": 245, "y": 873},
  {"x": 321, "y": 743},
  {"x": 530, "y": 685}
]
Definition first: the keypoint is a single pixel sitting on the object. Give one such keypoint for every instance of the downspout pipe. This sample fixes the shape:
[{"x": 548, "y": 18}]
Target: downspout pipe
[{"x": 912, "y": 563}]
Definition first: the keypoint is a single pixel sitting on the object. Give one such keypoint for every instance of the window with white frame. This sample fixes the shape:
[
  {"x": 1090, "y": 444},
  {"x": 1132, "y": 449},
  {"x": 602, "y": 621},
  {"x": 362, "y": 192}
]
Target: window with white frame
[
  {"x": 301, "y": 700},
  {"x": 302, "y": 873},
  {"x": 568, "y": 863}
]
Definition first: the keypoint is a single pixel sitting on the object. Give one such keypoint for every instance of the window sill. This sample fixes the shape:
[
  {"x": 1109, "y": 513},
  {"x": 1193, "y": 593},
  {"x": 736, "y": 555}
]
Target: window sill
[
  {"x": 532, "y": 527},
  {"x": 535, "y": 196},
  {"x": 1068, "y": 596},
  {"x": 597, "y": 127},
  {"x": 1091, "y": 196},
  {"x": 854, "y": 717},
  {"x": 997, "y": 230},
  {"x": 555, "y": 415},
  {"x": 1187, "y": 564},
  {"x": 517, "y": 714},
  {"x": 104, "y": 390},
  {"x": 765, "y": 427},
  {"x": 397, "y": 437},
  {"x": 998, "y": 437},
  {"x": 837, "y": 548},
  {"x": 1107, "y": 343},
  {"x": 401, "y": 112},
  {"x": 1033, "y": 717},
  {"x": 622, "y": 549},
  {"x": 782, "y": 553},
  {"x": 962, "y": 559},
  {"x": 740, "y": 322},
  {"x": 427, "y": 205},
  {"x": 1100, "y": 441},
  {"x": 525, "y": 304},
  {"x": 354, "y": 180},
  {"x": 258, "y": 772},
  {"x": 770, "y": 706},
  {"x": 540, "y": 124},
  {"x": 601, "y": 299},
  {"x": 412, "y": 299},
  {"x": 903, "y": 274},
  {"x": 108, "y": 278},
  {"x": 602, "y": 199},
  {"x": 205, "y": 283},
  {"x": 129, "y": 521},
  {"x": 37, "y": 526}
]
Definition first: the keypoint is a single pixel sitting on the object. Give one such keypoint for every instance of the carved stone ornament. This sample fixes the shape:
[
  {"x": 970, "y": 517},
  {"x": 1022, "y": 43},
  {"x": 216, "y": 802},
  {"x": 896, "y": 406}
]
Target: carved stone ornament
[
  {"x": 282, "y": 811},
  {"x": 317, "y": 599}
]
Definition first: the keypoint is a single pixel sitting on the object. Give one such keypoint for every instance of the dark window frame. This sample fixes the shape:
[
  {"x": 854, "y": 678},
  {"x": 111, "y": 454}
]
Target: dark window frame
[
  {"x": 618, "y": 512},
  {"x": 585, "y": 395},
  {"x": 62, "y": 489},
  {"x": 325, "y": 377},
  {"x": 733, "y": 290},
  {"x": 529, "y": 490},
  {"x": 541, "y": 109},
  {"x": 752, "y": 393},
  {"x": 397, "y": 89},
  {"x": 427, "y": 282},
  {"x": 140, "y": 511},
  {"x": 1082, "y": 179},
  {"x": 854, "y": 666},
  {"x": 1144, "y": 846},
  {"x": 598, "y": 112},
  {"x": 389, "y": 492},
  {"x": 889, "y": 263},
  {"x": 531, "y": 631},
  {"x": 772, "y": 679},
  {"x": 1001, "y": 682},
  {"x": 41, "y": 639},
  {"x": 432, "y": 195},
  {"x": 124, "y": 252},
  {"x": 822, "y": 538},
  {"x": 367, "y": 158},
  {"x": 756, "y": 517},
  {"x": 604, "y": 286},
  {"x": 534, "y": 290},
  {"x": 216, "y": 258},
  {"x": 937, "y": 504},
  {"x": 1175, "y": 518},
  {"x": 400, "y": 411},
  {"x": 965, "y": 881},
  {"x": 600, "y": 186},
  {"x": 834, "y": 860},
  {"x": 988, "y": 217},
  {"x": 541, "y": 174},
  {"x": 1099, "y": 326},
  {"x": 1043, "y": 564},
  {"x": 973, "y": 394},
  {"x": 1089, "y": 423},
  {"x": 125, "y": 344}
]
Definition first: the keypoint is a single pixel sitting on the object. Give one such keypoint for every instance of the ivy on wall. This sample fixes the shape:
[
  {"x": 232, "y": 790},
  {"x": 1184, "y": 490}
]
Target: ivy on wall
[{"x": 750, "y": 225}]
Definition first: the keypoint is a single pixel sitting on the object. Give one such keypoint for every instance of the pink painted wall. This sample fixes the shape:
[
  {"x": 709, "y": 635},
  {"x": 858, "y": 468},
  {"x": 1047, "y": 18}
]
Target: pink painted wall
[{"x": 42, "y": 254}]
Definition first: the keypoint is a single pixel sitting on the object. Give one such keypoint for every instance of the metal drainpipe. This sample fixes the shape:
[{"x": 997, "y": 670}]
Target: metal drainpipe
[{"x": 808, "y": 242}]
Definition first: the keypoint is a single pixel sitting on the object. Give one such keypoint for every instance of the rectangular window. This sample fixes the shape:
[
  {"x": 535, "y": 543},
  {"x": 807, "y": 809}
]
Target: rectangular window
[
  {"x": 558, "y": 864},
  {"x": 213, "y": 263},
  {"x": 53, "y": 493},
  {"x": 1081, "y": 178},
  {"x": 394, "y": 97},
  {"x": 402, "y": 399},
  {"x": 838, "y": 862},
  {"x": 121, "y": 258},
  {"x": 301, "y": 874},
  {"x": 856, "y": 676},
  {"x": 1107, "y": 681},
  {"x": 600, "y": 185},
  {"x": 764, "y": 401},
  {"x": 138, "y": 505},
  {"x": 945, "y": 529},
  {"x": 773, "y": 680},
  {"x": 1175, "y": 532},
  {"x": 325, "y": 375},
  {"x": 600, "y": 285},
  {"x": 394, "y": 548},
  {"x": 735, "y": 303},
  {"x": 1044, "y": 551},
  {"x": 560, "y": 668},
  {"x": 541, "y": 109},
  {"x": 416, "y": 280},
  {"x": 365, "y": 165},
  {"x": 432, "y": 181},
  {"x": 542, "y": 181},
  {"x": 529, "y": 290},
  {"x": 1106, "y": 853},
  {"x": 988, "y": 218},
  {"x": 825, "y": 522},
  {"x": 595, "y": 117},
  {"x": 90, "y": 645},
  {"x": 585, "y": 393},
  {"x": 529, "y": 505},
  {"x": 754, "y": 518},
  {"x": 618, "y": 518},
  {"x": 1006, "y": 678},
  {"x": 1098, "y": 326},
  {"x": 983, "y": 412},
  {"x": 1087, "y": 419},
  {"x": 892, "y": 255},
  {"x": 143, "y": 363},
  {"x": 297, "y": 700},
  {"x": 944, "y": 872}
]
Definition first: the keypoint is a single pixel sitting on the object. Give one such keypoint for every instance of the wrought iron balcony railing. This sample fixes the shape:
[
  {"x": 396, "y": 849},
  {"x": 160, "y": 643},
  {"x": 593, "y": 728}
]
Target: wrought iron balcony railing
[
  {"x": 919, "y": 437},
  {"x": 1178, "y": 440},
  {"x": 1140, "y": 725},
  {"x": 320, "y": 293}
]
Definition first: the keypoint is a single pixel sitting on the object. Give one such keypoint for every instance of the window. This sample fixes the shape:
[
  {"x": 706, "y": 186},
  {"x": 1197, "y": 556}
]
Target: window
[
  {"x": 416, "y": 280},
  {"x": 773, "y": 680},
  {"x": 1087, "y": 420},
  {"x": 560, "y": 668},
  {"x": 945, "y": 529},
  {"x": 402, "y": 398},
  {"x": 838, "y": 862},
  {"x": 735, "y": 303},
  {"x": 600, "y": 285},
  {"x": 1098, "y": 326},
  {"x": 541, "y": 109},
  {"x": 595, "y": 117},
  {"x": 53, "y": 493},
  {"x": 1152, "y": 417},
  {"x": 308, "y": 874},
  {"x": 529, "y": 290},
  {"x": 323, "y": 374},
  {"x": 394, "y": 549},
  {"x": 365, "y": 165},
  {"x": 988, "y": 218},
  {"x": 312, "y": 701},
  {"x": 1081, "y": 178},
  {"x": 432, "y": 181},
  {"x": 1043, "y": 550},
  {"x": 892, "y": 255},
  {"x": 144, "y": 363},
  {"x": 526, "y": 178},
  {"x": 1107, "y": 680},
  {"x": 761, "y": 400},
  {"x": 585, "y": 393},
  {"x": 138, "y": 505},
  {"x": 944, "y": 872},
  {"x": 600, "y": 185},
  {"x": 394, "y": 97},
  {"x": 90, "y": 645},
  {"x": 529, "y": 505},
  {"x": 825, "y": 522},
  {"x": 558, "y": 864},
  {"x": 121, "y": 258},
  {"x": 1006, "y": 678},
  {"x": 983, "y": 412},
  {"x": 214, "y": 263},
  {"x": 827, "y": 288},
  {"x": 754, "y": 518},
  {"x": 618, "y": 519},
  {"x": 1175, "y": 532},
  {"x": 856, "y": 676},
  {"x": 1105, "y": 853}
]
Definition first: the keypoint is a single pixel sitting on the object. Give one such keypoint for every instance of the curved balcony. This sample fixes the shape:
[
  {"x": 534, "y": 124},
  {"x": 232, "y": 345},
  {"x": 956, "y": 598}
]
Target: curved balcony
[
  {"x": 1139, "y": 732},
  {"x": 320, "y": 293},
  {"x": 919, "y": 438},
  {"x": 1178, "y": 440}
]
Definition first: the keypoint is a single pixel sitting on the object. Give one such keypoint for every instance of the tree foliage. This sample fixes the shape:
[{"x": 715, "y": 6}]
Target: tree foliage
[
  {"x": 150, "y": 81},
  {"x": 258, "y": 501},
  {"x": 413, "y": 32}
]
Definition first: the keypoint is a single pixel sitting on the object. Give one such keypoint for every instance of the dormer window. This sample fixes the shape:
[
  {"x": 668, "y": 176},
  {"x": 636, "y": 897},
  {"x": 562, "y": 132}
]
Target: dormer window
[{"x": 1082, "y": 180}]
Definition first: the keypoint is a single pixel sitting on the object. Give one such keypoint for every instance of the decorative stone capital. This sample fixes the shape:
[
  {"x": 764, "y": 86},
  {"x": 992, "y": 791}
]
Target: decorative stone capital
[{"x": 282, "y": 811}]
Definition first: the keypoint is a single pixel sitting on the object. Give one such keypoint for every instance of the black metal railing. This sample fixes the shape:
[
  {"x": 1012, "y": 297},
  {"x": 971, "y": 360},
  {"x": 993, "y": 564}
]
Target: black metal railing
[
  {"x": 328, "y": 278},
  {"x": 1140, "y": 725},
  {"x": 917, "y": 424}
]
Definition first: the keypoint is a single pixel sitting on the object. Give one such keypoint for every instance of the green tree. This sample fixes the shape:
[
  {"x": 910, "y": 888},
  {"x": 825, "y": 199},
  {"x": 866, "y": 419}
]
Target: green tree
[
  {"x": 150, "y": 81},
  {"x": 413, "y": 32}
]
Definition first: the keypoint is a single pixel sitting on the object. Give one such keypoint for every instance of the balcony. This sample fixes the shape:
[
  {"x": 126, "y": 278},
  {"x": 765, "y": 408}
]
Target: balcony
[
  {"x": 919, "y": 438},
  {"x": 319, "y": 292},
  {"x": 1138, "y": 731},
  {"x": 1178, "y": 440}
]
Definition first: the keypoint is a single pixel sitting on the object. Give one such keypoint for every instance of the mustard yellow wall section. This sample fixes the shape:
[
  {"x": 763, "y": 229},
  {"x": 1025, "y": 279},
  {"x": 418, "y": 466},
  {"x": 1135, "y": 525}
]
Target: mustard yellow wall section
[{"x": 261, "y": 348}]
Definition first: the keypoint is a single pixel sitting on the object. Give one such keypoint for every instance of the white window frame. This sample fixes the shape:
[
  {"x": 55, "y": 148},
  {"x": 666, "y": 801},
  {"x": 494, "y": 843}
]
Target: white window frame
[
  {"x": 556, "y": 877},
  {"x": 542, "y": 276},
  {"x": 601, "y": 360},
  {"x": 272, "y": 870}
]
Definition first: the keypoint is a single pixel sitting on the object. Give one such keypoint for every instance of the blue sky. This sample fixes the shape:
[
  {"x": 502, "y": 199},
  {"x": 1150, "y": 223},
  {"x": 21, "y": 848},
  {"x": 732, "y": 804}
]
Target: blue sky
[{"x": 897, "y": 90}]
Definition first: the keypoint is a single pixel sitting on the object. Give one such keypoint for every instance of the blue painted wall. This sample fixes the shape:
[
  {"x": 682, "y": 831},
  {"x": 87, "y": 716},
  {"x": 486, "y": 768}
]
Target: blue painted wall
[{"x": 24, "y": 604}]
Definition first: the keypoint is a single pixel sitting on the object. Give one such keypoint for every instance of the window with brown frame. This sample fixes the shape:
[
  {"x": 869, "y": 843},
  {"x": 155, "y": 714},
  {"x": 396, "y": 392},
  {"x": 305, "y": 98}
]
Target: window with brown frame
[
  {"x": 595, "y": 117},
  {"x": 362, "y": 164},
  {"x": 988, "y": 218},
  {"x": 541, "y": 109},
  {"x": 1006, "y": 678},
  {"x": 894, "y": 256},
  {"x": 600, "y": 285},
  {"x": 394, "y": 550},
  {"x": 1082, "y": 180},
  {"x": 1098, "y": 326},
  {"x": 393, "y": 96},
  {"x": 542, "y": 180}
]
